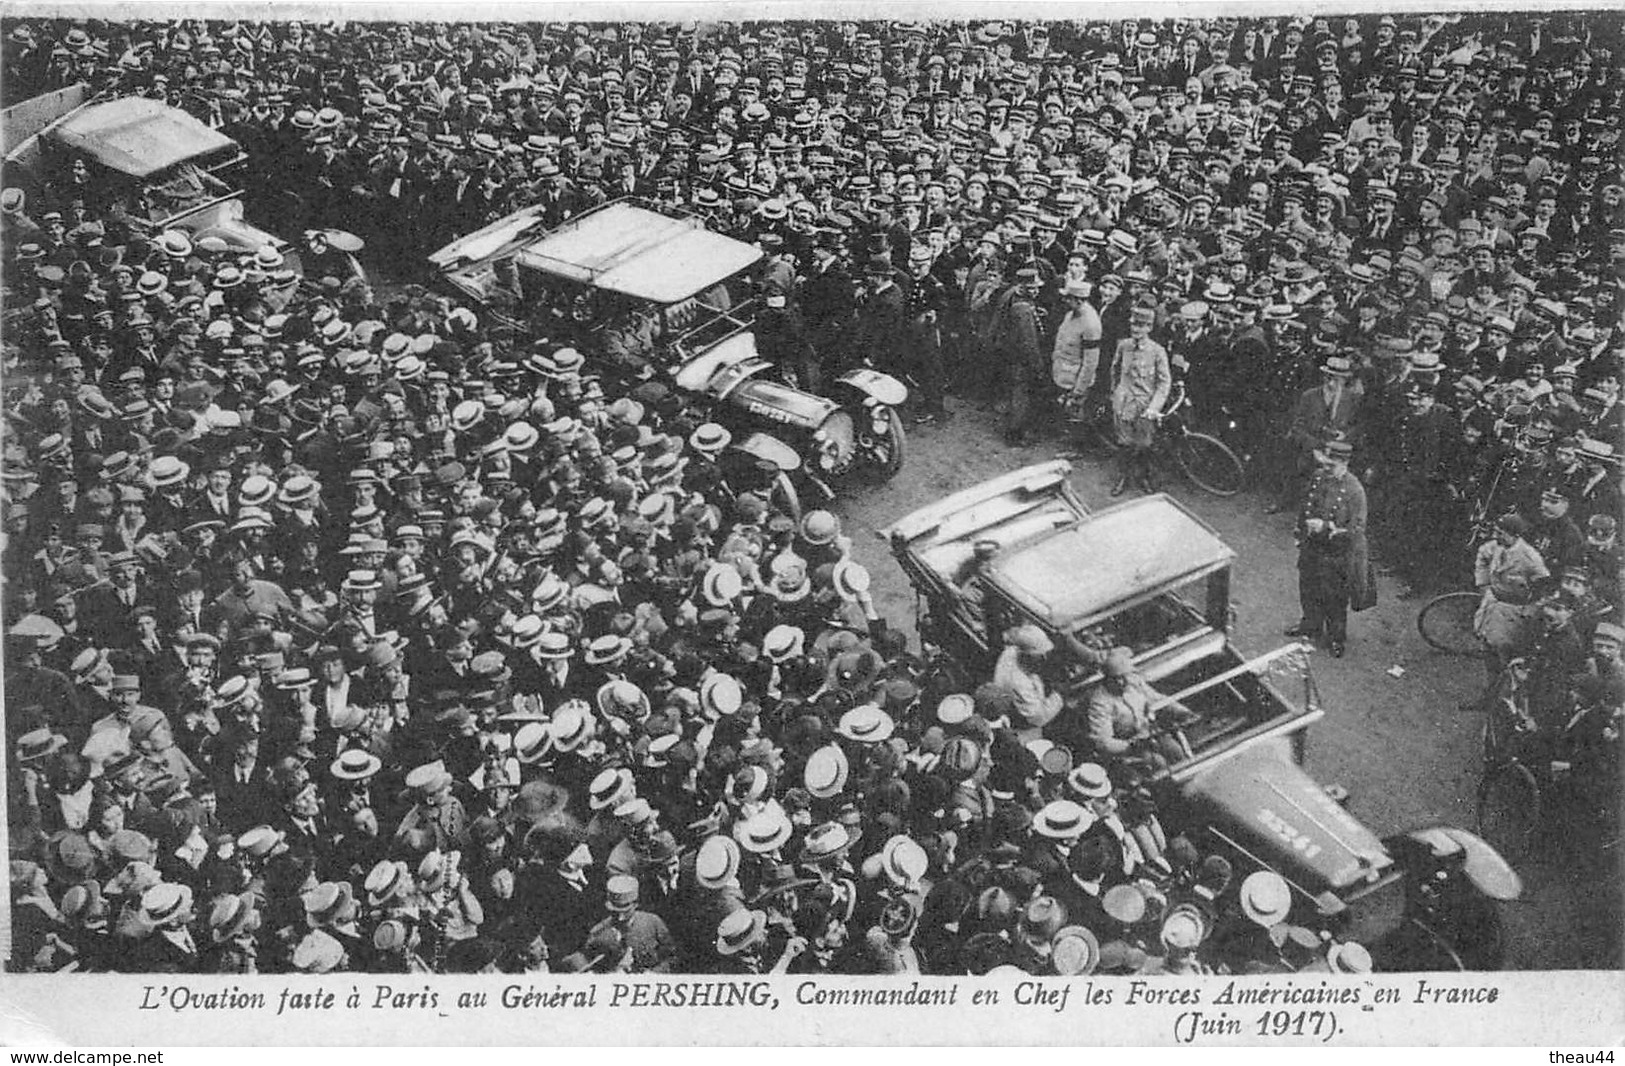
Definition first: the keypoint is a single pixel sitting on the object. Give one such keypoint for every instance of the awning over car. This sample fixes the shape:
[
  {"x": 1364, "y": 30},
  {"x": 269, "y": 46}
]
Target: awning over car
[
  {"x": 640, "y": 253},
  {"x": 1109, "y": 559},
  {"x": 138, "y": 136}
]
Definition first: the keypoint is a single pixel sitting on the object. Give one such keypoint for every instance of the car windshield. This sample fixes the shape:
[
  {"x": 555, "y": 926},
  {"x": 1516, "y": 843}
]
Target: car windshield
[
  {"x": 1158, "y": 621},
  {"x": 606, "y": 323}
]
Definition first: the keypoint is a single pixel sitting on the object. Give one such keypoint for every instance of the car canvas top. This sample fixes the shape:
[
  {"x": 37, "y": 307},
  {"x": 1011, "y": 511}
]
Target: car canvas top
[
  {"x": 138, "y": 136},
  {"x": 619, "y": 247},
  {"x": 466, "y": 262},
  {"x": 1110, "y": 560},
  {"x": 640, "y": 253},
  {"x": 1009, "y": 508}
]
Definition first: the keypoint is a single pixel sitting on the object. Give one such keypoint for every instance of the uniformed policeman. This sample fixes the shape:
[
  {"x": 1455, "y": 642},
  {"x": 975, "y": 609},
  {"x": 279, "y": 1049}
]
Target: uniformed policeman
[
  {"x": 1016, "y": 330},
  {"x": 1332, "y": 549},
  {"x": 927, "y": 303},
  {"x": 1418, "y": 486}
]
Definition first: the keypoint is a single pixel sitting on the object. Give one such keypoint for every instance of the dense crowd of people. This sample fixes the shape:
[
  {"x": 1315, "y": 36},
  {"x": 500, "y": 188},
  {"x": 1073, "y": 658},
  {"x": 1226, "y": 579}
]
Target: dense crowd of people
[{"x": 352, "y": 629}]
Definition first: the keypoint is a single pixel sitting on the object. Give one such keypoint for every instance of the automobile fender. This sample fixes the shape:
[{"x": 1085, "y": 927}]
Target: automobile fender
[
  {"x": 1484, "y": 866},
  {"x": 770, "y": 449},
  {"x": 224, "y": 218},
  {"x": 882, "y": 387}
]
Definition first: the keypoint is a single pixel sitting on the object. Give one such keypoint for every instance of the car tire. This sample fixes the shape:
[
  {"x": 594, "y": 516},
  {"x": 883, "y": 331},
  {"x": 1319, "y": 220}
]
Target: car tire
[{"x": 896, "y": 447}]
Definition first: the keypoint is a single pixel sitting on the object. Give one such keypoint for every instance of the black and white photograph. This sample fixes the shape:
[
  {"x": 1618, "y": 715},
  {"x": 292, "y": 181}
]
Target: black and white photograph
[{"x": 760, "y": 500}]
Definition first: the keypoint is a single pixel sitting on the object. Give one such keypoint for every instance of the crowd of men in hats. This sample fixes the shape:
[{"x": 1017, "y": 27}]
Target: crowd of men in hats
[{"x": 349, "y": 631}]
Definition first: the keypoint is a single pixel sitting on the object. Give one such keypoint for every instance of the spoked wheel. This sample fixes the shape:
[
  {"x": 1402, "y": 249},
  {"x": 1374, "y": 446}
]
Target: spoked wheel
[
  {"x": 1500, "y": 729},
  {"x": 1446, "y": 623},
  {"x": 1209, "y": 463},
  {"x": 786, "y": 496},
  {"x": 1420, "y": 947},
  {"x": 1509, "y": 810},
  {"x": 891, "y": 448}
]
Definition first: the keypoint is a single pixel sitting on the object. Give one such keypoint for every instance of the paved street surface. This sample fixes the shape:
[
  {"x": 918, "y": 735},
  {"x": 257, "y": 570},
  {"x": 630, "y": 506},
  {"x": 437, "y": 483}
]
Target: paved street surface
[{"x": 1400, "y": 745}]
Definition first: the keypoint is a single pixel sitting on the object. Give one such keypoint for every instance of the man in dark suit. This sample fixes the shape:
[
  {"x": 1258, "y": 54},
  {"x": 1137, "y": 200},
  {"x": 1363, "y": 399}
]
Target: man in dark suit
[
  {"x": 554, "y": 895},
  {"x": 108, "y": 611},
  {"x": 827, "y": 302},
  {"x": 36, "y": 695},
  {"x": 305, "y": 825},
  {"x": 241, "y": 787},
  {"x": 1321, "y": 412}
]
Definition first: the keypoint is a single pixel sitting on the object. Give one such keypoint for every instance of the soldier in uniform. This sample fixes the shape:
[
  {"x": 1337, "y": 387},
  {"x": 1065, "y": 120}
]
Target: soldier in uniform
[
  {"x": 1604, "y": 558},
  {"x": 926, "y": 304},
  {"x": 1016, "y": 337},
  {"x": 827, "y": 301},
  {"x": 1419, "y": 487},
  {"x": 1554, "y": 534},
  {"x": 1332, "y": 548},
  {"x": 1141, "y": 381}
]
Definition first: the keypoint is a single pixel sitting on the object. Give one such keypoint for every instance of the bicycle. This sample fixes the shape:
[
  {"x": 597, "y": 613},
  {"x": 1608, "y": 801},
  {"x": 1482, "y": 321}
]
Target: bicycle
[
  {"x": 1508, "y": 801},
  {"x": 1204, "y": 460},
  {"x": 1446, "y": 621},
  {"x": 1526, "y": 781},
  {"x": 1207, "y": 462}
]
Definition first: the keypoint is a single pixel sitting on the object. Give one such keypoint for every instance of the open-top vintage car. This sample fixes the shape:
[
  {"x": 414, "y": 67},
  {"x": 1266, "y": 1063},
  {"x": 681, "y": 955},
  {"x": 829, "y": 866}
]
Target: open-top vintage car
[
  {"x": 646, "y": 292},
  {"x": 1150, "y": 575},
  {"x": 167, "y": 169}
]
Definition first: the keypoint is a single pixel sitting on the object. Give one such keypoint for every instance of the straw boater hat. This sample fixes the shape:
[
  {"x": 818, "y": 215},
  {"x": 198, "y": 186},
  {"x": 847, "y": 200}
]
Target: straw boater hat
[
  {"x": 385, "y": 881},
  {"x": 1062, "y": 820},
  {"x": 233, "y": 915},
  {"x": 904, "y": 861},
  {"x": 826, "y": 844},
  {"x": 866, "y": 724},
  {"x": 355, "y": 764},
  {"x": 1090, "y": 781},
  {"x": 1074, "y": 951},
  {"x": 167, "y": 904},
  {"x": 573, "y": 725},
  {"x": 826, "y": 772},
  {"x": 764, "y": 832},
  {"x": 610, "y": 788},
  {"x": 1265, "y": 897},
  {"x": 741, "y": 930},
  {"x": 717, "y": 862},
  {"x": 721, "y": 695}
]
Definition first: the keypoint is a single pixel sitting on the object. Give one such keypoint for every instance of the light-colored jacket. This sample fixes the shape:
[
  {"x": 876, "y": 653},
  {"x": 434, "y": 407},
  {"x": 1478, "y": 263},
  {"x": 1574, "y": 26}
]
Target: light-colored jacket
[
  {"x": 1035, "y": 704},
  {"x": 1075, "y": 358},
  {"x": 1509, "y": 570},
  {"x": 1140, "y": 379}
]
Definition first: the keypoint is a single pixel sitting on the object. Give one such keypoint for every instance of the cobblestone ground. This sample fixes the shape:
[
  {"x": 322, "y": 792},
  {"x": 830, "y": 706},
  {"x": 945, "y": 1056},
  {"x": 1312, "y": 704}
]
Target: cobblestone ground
[{"x": 1400, "y": 745}]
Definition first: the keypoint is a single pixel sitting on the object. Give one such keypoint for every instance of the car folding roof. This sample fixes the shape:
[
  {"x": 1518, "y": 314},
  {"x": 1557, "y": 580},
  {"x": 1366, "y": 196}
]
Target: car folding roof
[
  {"x": 640, "y": 253},
  {"x": 1108, "y": 560},
  {"x": 138, "y": 136}
]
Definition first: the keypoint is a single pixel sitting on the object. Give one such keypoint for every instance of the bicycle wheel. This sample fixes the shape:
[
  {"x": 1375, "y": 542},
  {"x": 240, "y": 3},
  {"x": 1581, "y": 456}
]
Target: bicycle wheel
[
  {"x": 1509, "y": 810},
  {"x": 1500, "y": 732},
  {"x": 1210, "y": 465},
  {"x": 1446, "y": 622}
]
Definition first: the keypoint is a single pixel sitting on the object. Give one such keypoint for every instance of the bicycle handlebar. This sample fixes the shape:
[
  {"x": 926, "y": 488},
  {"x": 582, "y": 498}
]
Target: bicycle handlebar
[{"x": 1177, "y": 398}]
